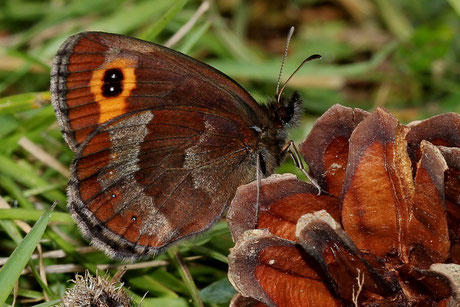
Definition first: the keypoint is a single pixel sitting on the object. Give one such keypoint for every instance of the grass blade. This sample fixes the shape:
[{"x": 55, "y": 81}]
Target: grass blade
[
  {"x": 33, "y": 215},
  {"x": 151, "y": 33},
  {"x": 186, "y": 276},
  {"x": 21, "y": 255}
]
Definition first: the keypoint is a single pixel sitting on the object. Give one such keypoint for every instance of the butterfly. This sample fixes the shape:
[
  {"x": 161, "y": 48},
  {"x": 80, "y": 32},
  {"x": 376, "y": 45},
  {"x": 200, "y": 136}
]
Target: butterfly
[{"x": 161, "y": 141}]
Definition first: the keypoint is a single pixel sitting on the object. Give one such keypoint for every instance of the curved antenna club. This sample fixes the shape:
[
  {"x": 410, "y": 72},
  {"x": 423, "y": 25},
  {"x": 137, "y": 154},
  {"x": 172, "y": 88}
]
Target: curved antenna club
[
  {"x": 288, "y": 40},
  {"x": 310, "y": 58}
]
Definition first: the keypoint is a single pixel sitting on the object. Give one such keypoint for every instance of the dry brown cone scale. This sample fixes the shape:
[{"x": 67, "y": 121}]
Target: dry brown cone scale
[{"x": 384, "y": 231}]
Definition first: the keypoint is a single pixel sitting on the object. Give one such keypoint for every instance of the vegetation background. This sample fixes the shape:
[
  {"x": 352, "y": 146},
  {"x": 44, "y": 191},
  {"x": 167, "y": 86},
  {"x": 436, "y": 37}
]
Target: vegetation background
[{"x": 403, "y": 55}]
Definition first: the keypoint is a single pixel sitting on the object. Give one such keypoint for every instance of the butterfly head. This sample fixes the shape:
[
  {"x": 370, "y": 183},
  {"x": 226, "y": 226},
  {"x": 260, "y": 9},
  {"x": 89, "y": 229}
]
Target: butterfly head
[
  {"x": 283, "y": 113},
  {"x": 286, "y": 111}
]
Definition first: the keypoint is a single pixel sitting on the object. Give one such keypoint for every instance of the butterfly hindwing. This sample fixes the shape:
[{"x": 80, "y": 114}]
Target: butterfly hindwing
[{"x": 150, "y": 186}]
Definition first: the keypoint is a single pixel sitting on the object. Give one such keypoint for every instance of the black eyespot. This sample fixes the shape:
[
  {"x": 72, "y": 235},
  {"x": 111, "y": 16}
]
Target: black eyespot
[
  {"x": 133, "y": 218},
  {"x": 113, "y": 82},
  {"x": 113, "y": 75},
  {"x": 113, "y": 195}
]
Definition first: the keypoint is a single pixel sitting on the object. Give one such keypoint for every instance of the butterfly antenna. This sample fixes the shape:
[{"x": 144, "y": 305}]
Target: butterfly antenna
[
  {"x": 291, "y": 32},
  {"x": 310, "y": 58}
]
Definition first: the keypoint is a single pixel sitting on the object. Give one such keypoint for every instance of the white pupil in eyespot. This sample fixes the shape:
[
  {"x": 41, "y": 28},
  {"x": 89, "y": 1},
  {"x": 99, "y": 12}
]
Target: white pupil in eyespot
[{"x": 112, "y": 89}]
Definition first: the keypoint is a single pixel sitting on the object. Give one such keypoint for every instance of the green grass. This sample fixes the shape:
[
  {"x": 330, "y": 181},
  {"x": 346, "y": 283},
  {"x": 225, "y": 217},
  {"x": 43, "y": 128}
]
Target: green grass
[
  {"x": 16, "y": 262},
  {"x": 403, "y": 55}
]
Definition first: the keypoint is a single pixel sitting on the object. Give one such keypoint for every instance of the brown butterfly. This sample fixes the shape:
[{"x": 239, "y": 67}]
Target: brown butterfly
[{"x": 161, "y": 140}]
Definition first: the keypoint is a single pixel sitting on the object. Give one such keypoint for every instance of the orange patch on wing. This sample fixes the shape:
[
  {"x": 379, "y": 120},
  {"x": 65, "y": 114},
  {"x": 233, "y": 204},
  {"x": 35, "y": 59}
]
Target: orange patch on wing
[
  {"x": 89, "y": 166},
  {"x": 132, "y": 228},
  {"x": 89, "y": 188},
  {"x": 81, "y": 135},
  {"x": 111, "y": 107},
  {"x": 154, "y": 241},
  {"x": 143, "y": 240},
  {"x": 105, "y": 212},
  {"x": 116, "y": 224}
]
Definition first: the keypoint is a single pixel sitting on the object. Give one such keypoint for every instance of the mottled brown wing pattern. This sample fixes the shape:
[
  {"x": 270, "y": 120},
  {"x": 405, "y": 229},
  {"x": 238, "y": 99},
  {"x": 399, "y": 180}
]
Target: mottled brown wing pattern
[{"x": 162, "y": 141}]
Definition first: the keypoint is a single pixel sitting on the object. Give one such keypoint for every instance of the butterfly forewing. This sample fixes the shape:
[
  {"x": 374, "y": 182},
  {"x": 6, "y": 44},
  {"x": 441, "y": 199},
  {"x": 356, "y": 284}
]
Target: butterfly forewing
[
  {"x": 99, "y": 76},
  {"x": 161, "y": 141}
]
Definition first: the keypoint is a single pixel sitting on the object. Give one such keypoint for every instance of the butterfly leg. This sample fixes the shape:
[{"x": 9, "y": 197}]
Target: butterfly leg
[
  {"x": 294, "y": 153},
  {"x": 259, "y": 184}
]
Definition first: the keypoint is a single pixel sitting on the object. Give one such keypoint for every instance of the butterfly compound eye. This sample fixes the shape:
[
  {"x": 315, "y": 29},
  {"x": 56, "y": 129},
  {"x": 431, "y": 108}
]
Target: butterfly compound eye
[{"x": 289, "y": 110}]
